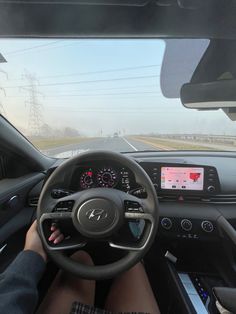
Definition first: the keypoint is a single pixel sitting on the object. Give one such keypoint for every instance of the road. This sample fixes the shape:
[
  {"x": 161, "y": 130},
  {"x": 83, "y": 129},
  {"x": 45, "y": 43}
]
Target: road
[{"x": 117, "y": 144}]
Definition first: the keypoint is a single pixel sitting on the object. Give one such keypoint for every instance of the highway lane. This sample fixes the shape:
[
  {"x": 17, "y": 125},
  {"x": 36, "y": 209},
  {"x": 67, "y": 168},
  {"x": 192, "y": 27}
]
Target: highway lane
[{"x": 116, "y": 144}]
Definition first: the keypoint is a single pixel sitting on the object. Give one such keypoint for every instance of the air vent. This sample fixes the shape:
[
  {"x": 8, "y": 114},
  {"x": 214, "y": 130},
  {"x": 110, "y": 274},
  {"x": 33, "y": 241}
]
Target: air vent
[
  {"x": 33, "y": 201},
  {"x": 211, "y": 199},
  {"x": 167, "y": 198},
  {"x": 221, "y": 199}
]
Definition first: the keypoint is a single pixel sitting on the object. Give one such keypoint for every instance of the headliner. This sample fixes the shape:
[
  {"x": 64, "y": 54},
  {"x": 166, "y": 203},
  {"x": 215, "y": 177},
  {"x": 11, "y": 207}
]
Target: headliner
[{"x": 131, "y": 18}]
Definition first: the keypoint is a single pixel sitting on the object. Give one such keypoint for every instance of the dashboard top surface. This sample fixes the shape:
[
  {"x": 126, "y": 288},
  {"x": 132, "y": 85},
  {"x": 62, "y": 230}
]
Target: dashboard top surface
[{"x": 225, "y": 164}]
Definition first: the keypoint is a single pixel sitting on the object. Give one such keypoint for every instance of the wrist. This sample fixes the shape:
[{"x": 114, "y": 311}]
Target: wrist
[{"x": 39, "y": 252}]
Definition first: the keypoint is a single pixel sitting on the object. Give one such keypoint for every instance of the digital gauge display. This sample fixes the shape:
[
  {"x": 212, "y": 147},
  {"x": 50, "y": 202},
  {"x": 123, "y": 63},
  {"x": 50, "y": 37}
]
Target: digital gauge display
[
  {"x": 107, "y": 177},
  {"x": 86, "y": 179},
  {"x": 182, "y": 178}
]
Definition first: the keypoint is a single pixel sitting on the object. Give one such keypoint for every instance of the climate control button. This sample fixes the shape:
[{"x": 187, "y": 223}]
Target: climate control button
[
  {"x": 186, "y": 225},
  {"x": 207, "y": 226},
  {"x": 166, "y": 223}
]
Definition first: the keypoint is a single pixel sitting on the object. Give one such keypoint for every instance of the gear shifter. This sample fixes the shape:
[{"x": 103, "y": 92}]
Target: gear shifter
[{"x": 226, "y": 299}]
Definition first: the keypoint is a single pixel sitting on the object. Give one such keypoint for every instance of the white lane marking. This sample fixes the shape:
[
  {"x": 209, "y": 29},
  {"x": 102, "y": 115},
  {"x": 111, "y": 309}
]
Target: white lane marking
[{"x": 134, "y": 148}]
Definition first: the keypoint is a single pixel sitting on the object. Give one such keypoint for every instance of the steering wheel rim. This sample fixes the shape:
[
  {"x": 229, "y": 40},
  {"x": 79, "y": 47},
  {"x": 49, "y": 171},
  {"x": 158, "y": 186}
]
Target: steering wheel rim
[{"x": 85, "y": 202}]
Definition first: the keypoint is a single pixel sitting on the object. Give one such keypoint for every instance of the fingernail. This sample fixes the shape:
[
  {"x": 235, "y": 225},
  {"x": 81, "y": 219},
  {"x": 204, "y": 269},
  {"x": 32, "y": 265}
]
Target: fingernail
[
  {"x": 50, "y": 238},
  {"x": 55, "y": 241}
]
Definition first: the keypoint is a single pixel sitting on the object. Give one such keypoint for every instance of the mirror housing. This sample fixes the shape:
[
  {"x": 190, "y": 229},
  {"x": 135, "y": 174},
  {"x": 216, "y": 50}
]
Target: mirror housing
[{"x": 215, "y": 95}]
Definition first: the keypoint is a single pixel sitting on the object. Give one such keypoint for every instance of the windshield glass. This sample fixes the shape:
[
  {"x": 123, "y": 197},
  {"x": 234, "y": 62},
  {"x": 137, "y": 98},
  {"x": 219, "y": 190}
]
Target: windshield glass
[{"x": 70, "y": 96}]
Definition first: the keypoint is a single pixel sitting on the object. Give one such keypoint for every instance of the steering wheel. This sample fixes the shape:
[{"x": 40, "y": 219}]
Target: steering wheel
[{"x": 97, "y": 214}]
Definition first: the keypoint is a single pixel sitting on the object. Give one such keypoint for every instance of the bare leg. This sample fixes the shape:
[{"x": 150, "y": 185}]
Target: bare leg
[
  {"x": 131, "y": 292},
  {"x": 66, "y": 289}
]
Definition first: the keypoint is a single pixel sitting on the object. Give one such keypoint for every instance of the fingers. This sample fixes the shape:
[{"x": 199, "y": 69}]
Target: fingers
[
  {"x": 56, "y": 236},
  {"x": 53, "y": 227}
]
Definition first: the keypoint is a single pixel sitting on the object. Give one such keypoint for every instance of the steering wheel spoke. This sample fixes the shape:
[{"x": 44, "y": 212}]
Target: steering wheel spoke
[
  {"x": 137, "y": 215},
  {"x": 143, "y": 240},
  {"x": 72, "y": 239},
  {"x": 66, "y": 245},
  {"x": 55, "y": 216}
]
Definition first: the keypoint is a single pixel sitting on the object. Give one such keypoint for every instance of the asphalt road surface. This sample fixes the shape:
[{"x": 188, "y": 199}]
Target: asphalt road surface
[{"x": 116, "y": 144}]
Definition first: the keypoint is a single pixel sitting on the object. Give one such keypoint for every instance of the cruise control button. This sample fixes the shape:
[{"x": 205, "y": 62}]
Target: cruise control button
[
  {"x": 133, "y": 207},
  {"x": 64, "y": 206}
]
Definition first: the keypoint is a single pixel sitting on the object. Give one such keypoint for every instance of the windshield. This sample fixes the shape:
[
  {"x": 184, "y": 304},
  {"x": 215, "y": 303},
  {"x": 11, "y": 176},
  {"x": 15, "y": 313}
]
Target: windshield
[{"x": 70, "y": 96}]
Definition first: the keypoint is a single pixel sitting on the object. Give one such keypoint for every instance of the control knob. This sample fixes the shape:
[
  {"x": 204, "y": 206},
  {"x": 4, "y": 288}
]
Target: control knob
[
  {"x": 207, "y": 226},
  {"x": 166, "y": 223},
  {"x": 211, "y": 188},
  {"x": 186, "y": 225}
]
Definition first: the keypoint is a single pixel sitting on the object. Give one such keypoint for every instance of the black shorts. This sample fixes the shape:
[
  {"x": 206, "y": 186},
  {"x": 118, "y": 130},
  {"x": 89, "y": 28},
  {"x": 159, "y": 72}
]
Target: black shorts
[{"x": 79, "y": 308}]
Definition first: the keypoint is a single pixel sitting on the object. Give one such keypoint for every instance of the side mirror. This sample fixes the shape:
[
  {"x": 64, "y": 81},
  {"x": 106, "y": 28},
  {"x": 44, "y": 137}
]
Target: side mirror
[{"x": 211, "y": 96}]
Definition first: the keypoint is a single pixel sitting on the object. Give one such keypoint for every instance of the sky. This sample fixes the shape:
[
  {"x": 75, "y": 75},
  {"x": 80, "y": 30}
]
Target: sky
[{"x": 97, "y": 87}]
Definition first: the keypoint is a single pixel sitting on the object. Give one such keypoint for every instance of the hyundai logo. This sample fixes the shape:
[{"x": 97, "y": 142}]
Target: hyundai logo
[{"x": 96, "y": 214}]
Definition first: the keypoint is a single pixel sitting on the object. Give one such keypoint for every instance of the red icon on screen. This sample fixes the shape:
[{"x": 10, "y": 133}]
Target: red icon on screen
[{"x": 194, "y": 176}]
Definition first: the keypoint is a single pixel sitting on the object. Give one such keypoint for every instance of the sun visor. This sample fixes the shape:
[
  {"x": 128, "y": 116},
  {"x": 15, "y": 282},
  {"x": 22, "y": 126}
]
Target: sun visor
[{"x": 180, "y": 60}]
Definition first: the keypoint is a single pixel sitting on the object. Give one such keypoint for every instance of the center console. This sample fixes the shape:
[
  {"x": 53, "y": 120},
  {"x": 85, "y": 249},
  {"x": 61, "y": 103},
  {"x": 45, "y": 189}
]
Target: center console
[{"x": 194, "y": 290}]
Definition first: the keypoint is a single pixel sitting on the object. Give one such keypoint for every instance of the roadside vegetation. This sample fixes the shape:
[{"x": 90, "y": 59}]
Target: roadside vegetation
[
  {"x": 167, "y": 144},
  {"x": 51, "y": 142}
]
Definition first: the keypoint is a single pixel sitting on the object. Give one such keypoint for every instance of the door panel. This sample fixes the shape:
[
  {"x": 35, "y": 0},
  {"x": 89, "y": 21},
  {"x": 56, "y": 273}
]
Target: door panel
[{"x": 15, "y": 216}]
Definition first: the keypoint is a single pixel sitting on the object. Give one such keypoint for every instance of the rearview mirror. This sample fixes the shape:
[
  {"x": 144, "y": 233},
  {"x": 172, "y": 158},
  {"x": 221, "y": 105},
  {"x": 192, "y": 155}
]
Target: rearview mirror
[{"x": 211, "y": 96}]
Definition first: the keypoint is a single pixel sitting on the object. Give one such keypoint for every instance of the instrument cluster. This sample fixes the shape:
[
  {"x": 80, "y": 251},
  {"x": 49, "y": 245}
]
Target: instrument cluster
[{"x": 103, "y": 175}]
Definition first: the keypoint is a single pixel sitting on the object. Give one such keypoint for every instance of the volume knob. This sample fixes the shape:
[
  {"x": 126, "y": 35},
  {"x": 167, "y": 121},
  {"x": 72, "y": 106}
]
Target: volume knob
[{"x": 211, "y": 188}]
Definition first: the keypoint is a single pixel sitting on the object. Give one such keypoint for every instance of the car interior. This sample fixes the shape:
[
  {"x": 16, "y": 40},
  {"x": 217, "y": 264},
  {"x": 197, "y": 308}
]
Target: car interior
[{"x": 175, "y": 209}]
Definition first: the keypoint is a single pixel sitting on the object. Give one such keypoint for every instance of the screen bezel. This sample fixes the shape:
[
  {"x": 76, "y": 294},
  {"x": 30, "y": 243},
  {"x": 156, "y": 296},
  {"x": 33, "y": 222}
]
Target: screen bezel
[
  {"x": 149, "y": 166},
  {"x": 183, "y": 167}
]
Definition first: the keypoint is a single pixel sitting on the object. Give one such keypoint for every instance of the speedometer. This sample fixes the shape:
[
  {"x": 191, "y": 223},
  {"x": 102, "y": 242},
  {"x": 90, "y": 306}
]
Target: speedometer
[
  {"x": 107, "y": 177},
  {"x": 86, "y": 179}
]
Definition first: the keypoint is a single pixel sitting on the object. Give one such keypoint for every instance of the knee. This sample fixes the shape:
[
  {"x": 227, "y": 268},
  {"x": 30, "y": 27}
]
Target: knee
[{"x": 82, "y": 257}]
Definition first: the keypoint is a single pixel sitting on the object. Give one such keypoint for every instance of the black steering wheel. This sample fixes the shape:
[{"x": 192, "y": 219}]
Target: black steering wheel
[{"x": 96, "y": 215}]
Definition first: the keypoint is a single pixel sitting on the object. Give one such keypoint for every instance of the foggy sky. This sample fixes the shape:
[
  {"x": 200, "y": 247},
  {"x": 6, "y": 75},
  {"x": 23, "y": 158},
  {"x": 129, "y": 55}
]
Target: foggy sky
[{"x": 131, "y": 102}]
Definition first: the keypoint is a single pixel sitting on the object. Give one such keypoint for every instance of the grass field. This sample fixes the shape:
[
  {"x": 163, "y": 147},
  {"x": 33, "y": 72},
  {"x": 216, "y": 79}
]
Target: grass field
[
  {"x": 170, "y": 145},
  {"x": 47, "y": 143}
]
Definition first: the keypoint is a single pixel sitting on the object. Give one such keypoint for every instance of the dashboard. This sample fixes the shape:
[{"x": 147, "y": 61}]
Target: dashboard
[
  {"x": 194, "y": 189},
  {"x": 173, "y": 178}
]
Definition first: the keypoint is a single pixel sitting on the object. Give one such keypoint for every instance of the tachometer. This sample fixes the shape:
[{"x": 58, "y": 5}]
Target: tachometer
[
  {"x": 86, "y": 179},
  {"x": 107, "y": 177}
]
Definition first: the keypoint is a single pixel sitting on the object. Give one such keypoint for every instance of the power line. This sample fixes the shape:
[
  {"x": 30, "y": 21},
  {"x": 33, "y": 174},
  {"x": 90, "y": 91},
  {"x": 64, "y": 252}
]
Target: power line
[
  {"x": 103, "y": 94},
  {"x": 95, "y": 72},
  {"x": 102, "y": 71},
  {"x": 96, "y": 89},
  {"x": 90, "y": 81},
  {"x": 102, "y": 110},
  {"x": 31, "y": 48}
]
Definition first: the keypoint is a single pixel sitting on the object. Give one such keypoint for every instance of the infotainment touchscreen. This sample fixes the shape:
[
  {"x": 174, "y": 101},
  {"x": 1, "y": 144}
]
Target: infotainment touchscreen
[{"x": 182, "y": 178}]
